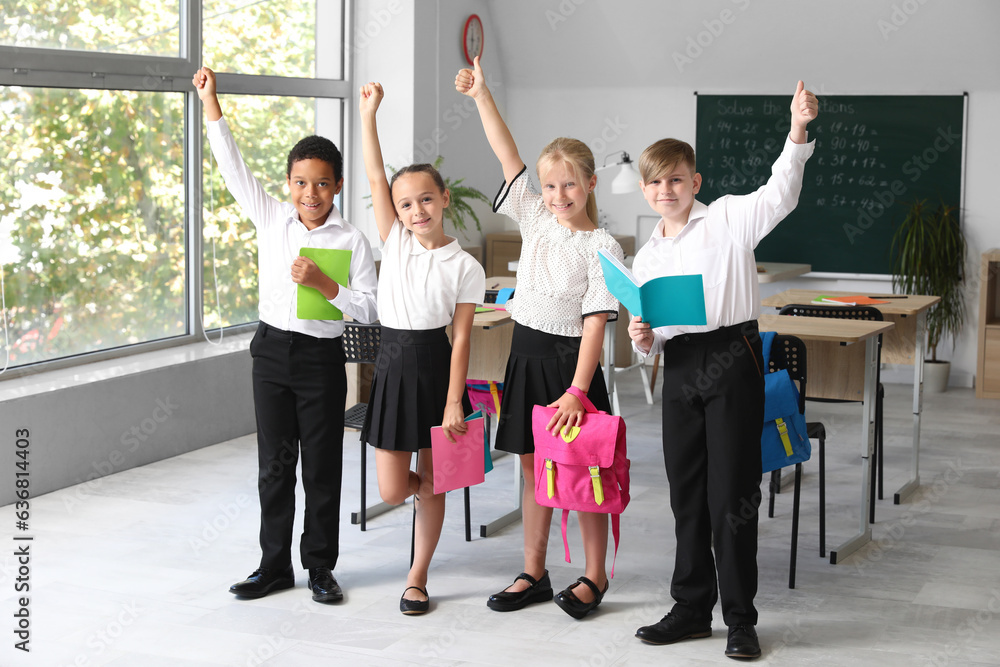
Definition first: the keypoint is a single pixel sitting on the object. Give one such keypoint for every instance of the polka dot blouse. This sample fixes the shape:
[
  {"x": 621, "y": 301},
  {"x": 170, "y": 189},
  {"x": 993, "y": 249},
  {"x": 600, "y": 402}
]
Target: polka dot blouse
[{"x": 559, "y": 277}]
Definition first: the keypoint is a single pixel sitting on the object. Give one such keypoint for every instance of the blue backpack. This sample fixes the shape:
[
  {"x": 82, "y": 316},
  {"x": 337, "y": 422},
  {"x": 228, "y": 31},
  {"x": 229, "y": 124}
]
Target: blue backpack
[{"x": 783, "y": 440}]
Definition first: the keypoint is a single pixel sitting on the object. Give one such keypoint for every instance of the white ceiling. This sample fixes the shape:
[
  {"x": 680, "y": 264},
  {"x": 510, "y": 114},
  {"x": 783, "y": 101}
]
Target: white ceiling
[{"x": 836, "y": 45}]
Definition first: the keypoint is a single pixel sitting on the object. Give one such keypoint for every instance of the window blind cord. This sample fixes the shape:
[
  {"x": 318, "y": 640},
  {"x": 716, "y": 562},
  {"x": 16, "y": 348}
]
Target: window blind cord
[{"x": 215, "y": 275}]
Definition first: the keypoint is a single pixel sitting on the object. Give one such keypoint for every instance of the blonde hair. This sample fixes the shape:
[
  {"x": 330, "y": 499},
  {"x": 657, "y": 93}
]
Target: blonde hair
[
  {"x": 577, "y": 156},
  {"x": 663, "y": 156}
]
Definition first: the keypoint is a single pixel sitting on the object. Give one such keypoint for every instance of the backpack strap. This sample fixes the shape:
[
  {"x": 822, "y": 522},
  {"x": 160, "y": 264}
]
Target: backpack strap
[
  {"x": 615, "y": 530},
  {"x": 766, "y": 341},
  {"x": 565, "y": 521},
  {"x": 579, "y": 393}
]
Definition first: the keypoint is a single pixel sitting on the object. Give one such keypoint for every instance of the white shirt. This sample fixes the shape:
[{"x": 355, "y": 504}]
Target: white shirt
[
  {"x": 718, "y": 242},
  {"x": 559, "y": 276},
  {"x": 280, "y": 236},
  {"x": 419, "y": 288}
]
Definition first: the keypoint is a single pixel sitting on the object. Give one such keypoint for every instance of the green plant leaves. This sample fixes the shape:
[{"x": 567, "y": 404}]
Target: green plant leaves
[{"x": 929, "y": 252}]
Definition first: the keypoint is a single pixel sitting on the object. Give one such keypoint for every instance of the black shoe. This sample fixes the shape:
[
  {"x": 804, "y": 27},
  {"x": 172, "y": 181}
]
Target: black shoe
[
  {"x": 672, "y": 628},
  {"x": 576, "y": 608},
  {"x": 743, "y": 643},
  {"x": 324, "y": 587},
  {"x": 538, "y": 591},
  {"x": 263, "y": 581},
  {"x": 414, "y": 607}
]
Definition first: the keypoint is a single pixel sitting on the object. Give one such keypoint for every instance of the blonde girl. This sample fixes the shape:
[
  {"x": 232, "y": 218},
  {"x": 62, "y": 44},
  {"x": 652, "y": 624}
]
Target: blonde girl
[{"x": 559, "y": 308}]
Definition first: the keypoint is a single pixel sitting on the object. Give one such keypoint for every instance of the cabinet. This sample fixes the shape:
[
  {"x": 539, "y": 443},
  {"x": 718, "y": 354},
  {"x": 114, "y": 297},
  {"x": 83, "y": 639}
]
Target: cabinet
[
  {"x": 503, "y": 248},
  {"x": 988, "y": 363}
]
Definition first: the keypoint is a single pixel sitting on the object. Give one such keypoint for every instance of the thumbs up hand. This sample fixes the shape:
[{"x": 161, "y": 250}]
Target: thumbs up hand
[{"x": 804, "y": 107}]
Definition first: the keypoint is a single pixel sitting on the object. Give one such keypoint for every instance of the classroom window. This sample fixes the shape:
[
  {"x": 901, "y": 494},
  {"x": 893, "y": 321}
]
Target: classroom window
[
  {"x": 135, "y": 27},
  {"x": 91, "y": 219},
  {"x": 105, "y": 249},
  {"x": 287, "y": 38},
  {"x": 265, "y": 128}
]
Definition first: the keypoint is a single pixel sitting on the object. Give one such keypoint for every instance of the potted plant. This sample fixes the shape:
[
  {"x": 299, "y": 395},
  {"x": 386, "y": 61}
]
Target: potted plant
[
  {"x": 929, "y": 258},
  {"x": 459, "y": 206}
]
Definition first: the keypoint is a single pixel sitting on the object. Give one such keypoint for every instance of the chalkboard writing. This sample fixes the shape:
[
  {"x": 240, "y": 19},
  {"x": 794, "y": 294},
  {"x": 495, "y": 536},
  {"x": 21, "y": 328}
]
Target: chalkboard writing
[{"x": 874, "y": 154}]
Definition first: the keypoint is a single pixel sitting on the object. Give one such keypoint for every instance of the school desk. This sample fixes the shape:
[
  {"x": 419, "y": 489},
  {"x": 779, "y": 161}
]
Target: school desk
[
  {"x": 904, "y": 344},
  {"x": 489, "y": 347},
  {"x": 772, "y": 272},
  {"x": 837, "y": 365}
]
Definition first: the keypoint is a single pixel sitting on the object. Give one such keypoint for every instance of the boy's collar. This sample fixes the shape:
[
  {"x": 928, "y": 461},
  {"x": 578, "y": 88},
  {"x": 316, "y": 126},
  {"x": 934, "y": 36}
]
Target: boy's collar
[
  {"x": 697, "y": 212},
  {"x": 333, "y": 217}
]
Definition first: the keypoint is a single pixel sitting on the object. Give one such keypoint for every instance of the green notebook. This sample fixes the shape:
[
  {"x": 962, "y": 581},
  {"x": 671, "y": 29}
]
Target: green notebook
[{"x": 311, "y": 304}]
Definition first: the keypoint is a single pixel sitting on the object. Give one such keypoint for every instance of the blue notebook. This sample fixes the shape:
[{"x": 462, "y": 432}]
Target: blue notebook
[{"x": 663, "y": 301}]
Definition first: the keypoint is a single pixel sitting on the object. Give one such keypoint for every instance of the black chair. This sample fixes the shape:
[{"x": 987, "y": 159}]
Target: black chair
[
  {"x": 870, "y": 314},
  {"x": 361, "y": 343},
  {"x": 789, "y": 353}
]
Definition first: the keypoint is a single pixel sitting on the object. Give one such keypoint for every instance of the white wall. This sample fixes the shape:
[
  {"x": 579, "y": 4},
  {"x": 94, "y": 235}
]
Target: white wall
[
  {"x": 414, "y": 49},
  {"x": 605, "y": 72}
]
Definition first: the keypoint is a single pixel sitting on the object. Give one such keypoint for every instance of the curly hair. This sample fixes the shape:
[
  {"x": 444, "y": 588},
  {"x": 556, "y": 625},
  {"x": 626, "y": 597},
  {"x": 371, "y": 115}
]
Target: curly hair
[{"x": 316, "y": 148}]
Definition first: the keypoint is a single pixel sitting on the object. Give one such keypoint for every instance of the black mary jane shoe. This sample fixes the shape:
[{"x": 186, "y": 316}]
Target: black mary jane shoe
[
  {"x": 540, "y": 590},
  {"x": 414, "y": 607},
  {"x": 573, "y": 606}
]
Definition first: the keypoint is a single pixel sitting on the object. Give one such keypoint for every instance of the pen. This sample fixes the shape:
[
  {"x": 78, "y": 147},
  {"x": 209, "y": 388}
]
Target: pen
[{"x": 495, "y": 285}]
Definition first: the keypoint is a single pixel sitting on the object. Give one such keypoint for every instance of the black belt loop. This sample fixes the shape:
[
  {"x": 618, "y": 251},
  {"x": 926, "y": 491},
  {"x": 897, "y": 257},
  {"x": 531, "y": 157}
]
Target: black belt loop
[{"x": 263, "y": 329}]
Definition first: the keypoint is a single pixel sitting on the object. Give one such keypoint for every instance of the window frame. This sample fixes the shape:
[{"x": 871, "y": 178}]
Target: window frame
[{"x": 58, "y": 68}]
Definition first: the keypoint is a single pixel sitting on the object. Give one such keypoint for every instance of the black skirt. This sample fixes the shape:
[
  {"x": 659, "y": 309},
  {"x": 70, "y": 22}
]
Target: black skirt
[
  {"x": 409, "y": 389},
  {"x": 539, "y": 370}
]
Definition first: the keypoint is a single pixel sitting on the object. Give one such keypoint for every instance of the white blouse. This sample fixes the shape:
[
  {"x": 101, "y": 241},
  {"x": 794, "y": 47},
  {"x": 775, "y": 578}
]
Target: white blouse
[
  {"x": 559, "y": 276},
  {"x": 418, "y": 288}
]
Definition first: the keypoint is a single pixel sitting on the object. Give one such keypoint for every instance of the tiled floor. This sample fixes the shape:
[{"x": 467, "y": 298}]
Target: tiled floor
[{"x": 133, "y": 569}]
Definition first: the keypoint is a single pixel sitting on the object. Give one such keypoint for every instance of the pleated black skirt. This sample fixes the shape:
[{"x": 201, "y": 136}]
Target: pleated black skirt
[
  {"x": 409, "y": 389},
  {"x": 540, "y": 368}
]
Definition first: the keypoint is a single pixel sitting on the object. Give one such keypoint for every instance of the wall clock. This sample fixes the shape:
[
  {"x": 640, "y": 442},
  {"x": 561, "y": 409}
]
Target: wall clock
[{"x": 472, "y": 38}]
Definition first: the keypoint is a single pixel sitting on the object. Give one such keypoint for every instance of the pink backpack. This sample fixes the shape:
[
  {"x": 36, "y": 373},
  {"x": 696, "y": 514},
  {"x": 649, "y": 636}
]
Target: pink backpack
[{"x": 584, "y": 469}]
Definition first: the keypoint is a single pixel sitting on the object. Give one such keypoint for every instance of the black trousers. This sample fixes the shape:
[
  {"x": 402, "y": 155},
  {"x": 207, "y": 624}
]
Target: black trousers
[
  {"x": 299, "y": 392},
  {"x": 713, "y": 407}
]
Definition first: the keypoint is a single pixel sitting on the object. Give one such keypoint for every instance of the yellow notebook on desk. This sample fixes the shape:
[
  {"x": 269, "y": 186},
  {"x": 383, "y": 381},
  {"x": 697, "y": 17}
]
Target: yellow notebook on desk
[{"x": 311, "y": 304}]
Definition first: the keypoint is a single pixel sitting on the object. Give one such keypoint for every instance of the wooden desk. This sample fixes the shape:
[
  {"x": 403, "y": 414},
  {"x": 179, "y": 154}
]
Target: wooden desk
[
  {"x": 775, "y": 271},
  {"x": 823, "y": 338},
  {"x": 904, "y": 344}
]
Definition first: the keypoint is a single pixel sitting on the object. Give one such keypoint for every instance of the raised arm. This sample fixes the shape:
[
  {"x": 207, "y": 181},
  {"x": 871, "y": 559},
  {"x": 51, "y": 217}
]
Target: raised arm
[
  {"x": 804, "y": 108},
  {"x": 204, "y": 83},
  {"x": 472, "y": 82},
  {"x": 385, "y": 212}
]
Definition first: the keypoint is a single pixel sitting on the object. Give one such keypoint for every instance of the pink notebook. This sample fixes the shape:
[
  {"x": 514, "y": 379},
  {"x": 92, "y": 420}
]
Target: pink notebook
[{"x": 459, "y": 464}]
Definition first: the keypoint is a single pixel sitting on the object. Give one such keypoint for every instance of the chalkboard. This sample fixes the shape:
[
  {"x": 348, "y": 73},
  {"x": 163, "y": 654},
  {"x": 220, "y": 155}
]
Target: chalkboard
[{"x": 874, "y": 153}]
